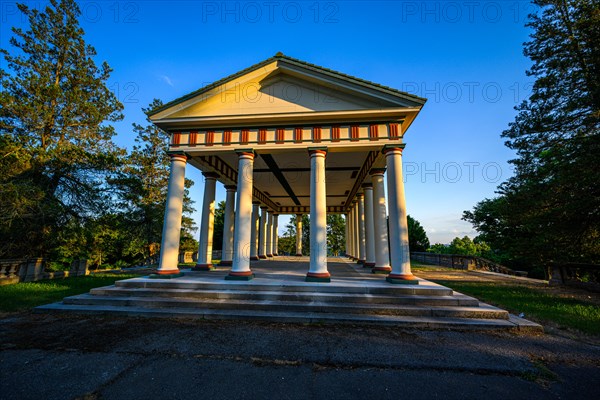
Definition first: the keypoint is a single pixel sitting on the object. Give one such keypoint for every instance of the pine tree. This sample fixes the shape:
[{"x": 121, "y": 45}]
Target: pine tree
[
  {"x": 142, "y": 187},
  {"x": 550, "y": 209},
  {"x": 56, "y": 150}
]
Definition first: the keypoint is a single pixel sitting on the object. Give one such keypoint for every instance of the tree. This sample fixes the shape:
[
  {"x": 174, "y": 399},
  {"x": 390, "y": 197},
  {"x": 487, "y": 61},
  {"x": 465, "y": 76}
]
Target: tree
[
  {"x": 336, "y": 234},
  {"x": 417, "y": 237},
  {"x": 550, "y": 209},
  {"x": 142, "y": 185},
  {"x": 219, "y": 226},
  {"x": 55, "y": 150}
]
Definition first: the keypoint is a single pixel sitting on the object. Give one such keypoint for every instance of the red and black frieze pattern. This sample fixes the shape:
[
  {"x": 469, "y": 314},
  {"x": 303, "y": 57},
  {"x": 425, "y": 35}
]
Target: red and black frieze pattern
[
  {"x": 262, "y": 136},
  {"x": 373, "y": 132},
  {"x": 354, "y": 133},
  {"x": 394, "y": 131},
  {"x": 226, "y": 138},
  {"x": 280, "y": 135},
  {"x": 315, "y": 134},
  {"x": 176, "y": 139},
  {"x": 244, "y": 136},
  {"x": 193, "y": 138},
  {"x": 210, "y": 138},
  {"x": 298, "y": 134},
  {"x": 335, "y": 133}
]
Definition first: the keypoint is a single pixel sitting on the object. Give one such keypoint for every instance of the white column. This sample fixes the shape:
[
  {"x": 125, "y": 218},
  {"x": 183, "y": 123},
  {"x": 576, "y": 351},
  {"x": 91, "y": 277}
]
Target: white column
[
  {"x": 269, "y": 234},
  {"x": 400, "y": 253},
  {"x": 351, "y": 233},
  {"x": 275, "y": 234},
  {"x": 346, "y": 229},
  {"x": 298, "y": 235},
  {"x": 318, "y": 218},
  {"x": 227, "y": 253},
  {"x": 240, "y": 270},
  {"x": 254, "y": 232},
  {"x": 382, "y": 254},
  {"x": 262, "y": 239},
  {"x": 169, "y": 246},
  {"x": 361, "y": 229},
  {"x": 356, "y": 236},
  {"x": 207, "y": 225},
  {"x": 369, "y": 227}
]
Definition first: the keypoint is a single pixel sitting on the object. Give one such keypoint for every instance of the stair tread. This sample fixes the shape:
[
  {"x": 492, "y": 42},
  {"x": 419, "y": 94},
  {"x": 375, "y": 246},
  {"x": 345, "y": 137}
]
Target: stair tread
[
  {"x": 480, "y": 307},
  {"x": 454, "y": 295},
  {"x": 283, "y": 316}
]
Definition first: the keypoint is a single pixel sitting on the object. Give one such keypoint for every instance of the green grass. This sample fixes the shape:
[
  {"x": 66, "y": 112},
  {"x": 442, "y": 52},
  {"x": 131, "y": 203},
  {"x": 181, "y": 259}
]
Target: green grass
[
  {"x": 24, "y": 296},
  {"x": 536, "y": 304}
]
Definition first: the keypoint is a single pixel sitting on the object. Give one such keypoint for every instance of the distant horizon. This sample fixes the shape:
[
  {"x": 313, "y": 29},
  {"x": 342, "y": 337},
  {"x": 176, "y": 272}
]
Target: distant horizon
[{"x": 466, "y": 58}]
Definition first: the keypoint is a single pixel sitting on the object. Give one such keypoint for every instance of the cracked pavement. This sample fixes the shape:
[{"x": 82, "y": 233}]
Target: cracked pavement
[{"x": 95, "y": 357}]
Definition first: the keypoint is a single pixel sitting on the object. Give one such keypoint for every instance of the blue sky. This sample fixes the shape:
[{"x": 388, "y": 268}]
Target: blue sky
[{"x": 464, "y": 56}]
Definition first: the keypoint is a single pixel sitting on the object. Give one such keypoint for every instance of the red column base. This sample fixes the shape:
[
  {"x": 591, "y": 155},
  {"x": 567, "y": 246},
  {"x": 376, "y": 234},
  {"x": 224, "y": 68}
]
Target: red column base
[
  {"x": 406, "y": 279},
  {"x": 270, "y": 255},
  {"x": 240, "y": 276},
  {"x": 166, "y": 274},
  {"x": 318, "y": 277},
  {"x": 254, "y": 258},
  {"x": 275, "y": 254},
  {"x": 262, "y": 257},
  {"x": 299, "y": 255}
]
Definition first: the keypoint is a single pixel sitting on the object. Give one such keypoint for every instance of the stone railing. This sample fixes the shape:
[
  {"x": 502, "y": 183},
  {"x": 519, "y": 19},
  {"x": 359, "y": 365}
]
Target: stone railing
[
  {"x": 14, "y": 271},
  {"x": 458, "y": 261},
  {"x": 586, "y": 276}
]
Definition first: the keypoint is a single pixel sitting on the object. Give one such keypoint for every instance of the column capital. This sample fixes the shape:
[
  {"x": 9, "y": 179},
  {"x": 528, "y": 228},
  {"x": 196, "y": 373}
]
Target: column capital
[
  {"x": 179, "y": 156},
  {"x": 377, "y": 171},
  {"x": 393, "y": 147},
  {"x": 317, "y": 151},
  {"x": 210, "y": 175},
  {"x": 256, "y": 202},
  {"x": 367, "y": 185},
  {"x": 359, "y": 195},
  {"x": 230, "y": 188},
  {"x": 264, "y": 208}
]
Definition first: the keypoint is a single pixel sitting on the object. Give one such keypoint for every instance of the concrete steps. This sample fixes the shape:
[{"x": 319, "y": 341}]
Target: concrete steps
[
  {"x": 512, "y": 324},
  {"x": 484, "y": 311},
  {"x": 362, "y": 300},
  {"x": 277, "y": 296}
]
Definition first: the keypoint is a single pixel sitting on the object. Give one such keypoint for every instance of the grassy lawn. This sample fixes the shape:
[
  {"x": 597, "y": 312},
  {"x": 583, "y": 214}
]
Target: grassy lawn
[
  {"x": 535, "y": 304},
  {"x": 23, "y": 296}
]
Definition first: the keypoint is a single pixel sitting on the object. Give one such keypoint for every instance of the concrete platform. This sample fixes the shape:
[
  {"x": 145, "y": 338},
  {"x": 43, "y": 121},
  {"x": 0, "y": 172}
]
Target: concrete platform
[{"x": 279, "y": 293}]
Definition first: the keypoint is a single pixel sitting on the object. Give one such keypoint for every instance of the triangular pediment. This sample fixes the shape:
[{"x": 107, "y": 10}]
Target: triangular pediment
[{"x": 282, "y": 85}]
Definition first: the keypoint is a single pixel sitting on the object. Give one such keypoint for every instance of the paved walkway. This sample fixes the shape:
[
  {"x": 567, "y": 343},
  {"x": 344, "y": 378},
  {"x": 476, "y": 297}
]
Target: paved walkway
[{"x": 84, "y": 357}]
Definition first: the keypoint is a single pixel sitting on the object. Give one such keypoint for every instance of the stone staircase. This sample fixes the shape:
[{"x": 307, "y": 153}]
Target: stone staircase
[{"x": 270, "y": 298}]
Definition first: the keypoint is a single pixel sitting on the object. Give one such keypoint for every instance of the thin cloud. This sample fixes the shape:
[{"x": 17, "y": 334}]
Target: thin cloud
[{"x": 167, "y": 80}]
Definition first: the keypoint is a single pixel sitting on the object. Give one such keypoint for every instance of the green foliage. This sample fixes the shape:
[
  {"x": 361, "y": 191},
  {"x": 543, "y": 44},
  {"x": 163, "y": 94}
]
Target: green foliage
[
  {"x": 291, "y": 231},
  {"x": 55, "y": 152},
  {"x": 536, "y": 304},
  {"x": 286, "y": 245},
  {"x": 23, "y": 296},
  {"x": 417, "y": 237},
  {"x": 336, "y": 234},
  {"x": 463, "y": 246},
  {"x": 219, "y": 226},
  {"x": 550, "y": 209}
]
